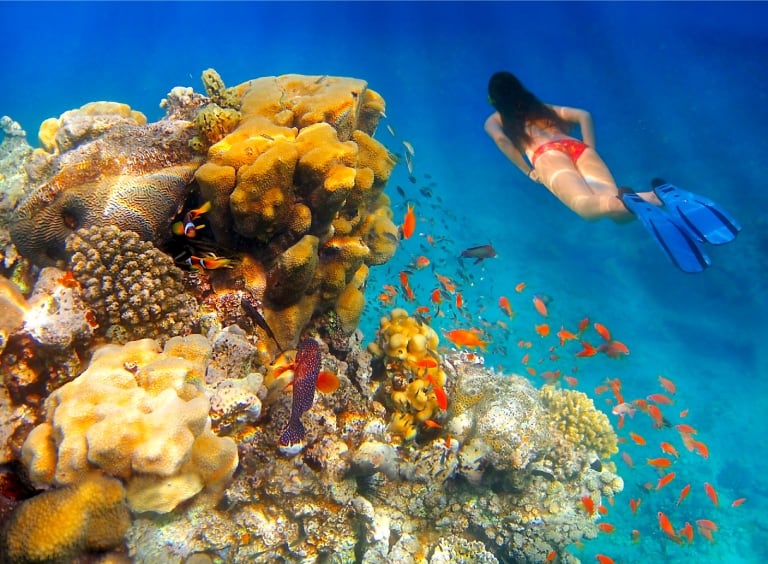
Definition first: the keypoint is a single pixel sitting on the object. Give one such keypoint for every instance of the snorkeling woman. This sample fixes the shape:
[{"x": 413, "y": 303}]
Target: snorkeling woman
[{"x": 535, "y": 137}]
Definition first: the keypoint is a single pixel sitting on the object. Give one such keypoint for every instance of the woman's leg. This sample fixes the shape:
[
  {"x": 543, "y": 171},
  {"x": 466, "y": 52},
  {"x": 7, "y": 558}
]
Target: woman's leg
[{"x": 587, "y": 188}]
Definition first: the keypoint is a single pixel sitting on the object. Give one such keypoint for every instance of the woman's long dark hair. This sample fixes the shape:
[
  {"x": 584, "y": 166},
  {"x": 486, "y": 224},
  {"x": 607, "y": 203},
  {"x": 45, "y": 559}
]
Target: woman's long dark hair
[{"x": 517, "y": 106}]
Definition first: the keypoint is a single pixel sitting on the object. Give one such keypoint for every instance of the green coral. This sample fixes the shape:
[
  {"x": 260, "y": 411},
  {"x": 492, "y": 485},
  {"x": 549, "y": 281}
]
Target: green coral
[
  {"x": 134, "y": 289},
  {"x": 574, "y": 414}
]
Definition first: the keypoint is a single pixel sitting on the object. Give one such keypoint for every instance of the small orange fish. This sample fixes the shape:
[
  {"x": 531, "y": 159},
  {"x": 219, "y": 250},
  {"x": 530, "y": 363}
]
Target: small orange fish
[
  {"x": 194, "y": 214},
  {"x": 607, "y": 528},
  {"x": 446, "y": 282},
  {"x": 737, "y": 502},
  {"x": 459, "y": 300},
  {"x": 530, "y": 370},
  {"x": 520, "y": 287},
  {"x": 433, "y": 424},
  {"x": 683, "y": 428},
  {"x": 627, "y": 459},
  {"x": 660, "y": 462},
  {"x": 603, "y": 510},
  {"x": 565, "y": 335},
  {"x": 664, "y": 480},
  {"x": 634, "y": 504},
  {"x": 668, "y": 385},
  {"x": 423, "y": 310},
  {"x": 586, "y": 350},
  {"x": 687, "y": 532},
  {"x": 602, "y": 331},
  {"x": 711, "y": 493},
  {"x": 526, "y": 358},
  {"x": 540, "y": 306},
  {"x": 440, "y": 395},
  {"x": 327, "y": 382},
  {"x": 706, "y": 524},
  {"x": 68, "y": 280},
  {"x": 684, "y": 413},
  {"x": 666, "y": 527},
  {"x": 603, "y": 559},
  {"x": 635, "y": 536},
  {"x": 426, "y": 363},
  {"x": 667, "y": 448},
  {"x": 421, "y": 262},
  {"x": 655, "y": 413},
  {"x": 436, "y": 296},
  {"x": 552, "y": 555},
  {"x": 660, "y": 399},
  {"x": 683, "y": 494},
  {"x": 583, "y": 324},
  {"x": 466, "y": 338},
  {"x": 589, "y": 505},
  {"x": 701, "y": 449},
  {"x": 542, "y": 330},
  {"x": 637, "y": 438},
  {"x": 571, "y": 381},
  {"x": 614, "y": 349},
  {"x": 506, "y": 307},
  {"x": 409, "y": 223}
]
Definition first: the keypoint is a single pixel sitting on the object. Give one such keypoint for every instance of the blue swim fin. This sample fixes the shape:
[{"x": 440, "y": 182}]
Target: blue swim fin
[
  {"x": 670, "y": 233},
  {"x": 706, "y": 220}
]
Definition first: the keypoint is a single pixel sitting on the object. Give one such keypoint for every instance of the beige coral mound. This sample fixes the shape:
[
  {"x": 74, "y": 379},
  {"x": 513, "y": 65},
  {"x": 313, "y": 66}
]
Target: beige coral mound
[
  {"x": 136, "y": 413},
  {"x": 574, "y": 414}
]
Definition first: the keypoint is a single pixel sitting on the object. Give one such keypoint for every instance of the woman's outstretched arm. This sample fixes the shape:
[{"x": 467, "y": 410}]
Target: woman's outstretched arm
[{"x": 494, "y": 130}]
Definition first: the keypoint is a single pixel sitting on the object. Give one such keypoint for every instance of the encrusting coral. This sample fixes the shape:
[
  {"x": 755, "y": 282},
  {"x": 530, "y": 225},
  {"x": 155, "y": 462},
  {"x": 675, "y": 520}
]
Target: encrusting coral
[
  {"x": 61, "y": 525},
  {"x": 138, "y": 414},
  {"x": 104, "y": 165},
  {"x": 134, "y": 289},
  {"x": 574, "y": 414}
]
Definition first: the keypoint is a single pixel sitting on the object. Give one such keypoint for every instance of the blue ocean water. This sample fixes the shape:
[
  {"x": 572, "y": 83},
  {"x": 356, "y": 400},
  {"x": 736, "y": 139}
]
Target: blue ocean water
[{"x": 676, "y": 90}]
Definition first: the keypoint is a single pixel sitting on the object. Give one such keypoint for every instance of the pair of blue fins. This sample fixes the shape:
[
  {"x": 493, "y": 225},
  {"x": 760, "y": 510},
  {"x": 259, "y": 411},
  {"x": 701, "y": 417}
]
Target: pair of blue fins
[{"x": 684, "y": 222}]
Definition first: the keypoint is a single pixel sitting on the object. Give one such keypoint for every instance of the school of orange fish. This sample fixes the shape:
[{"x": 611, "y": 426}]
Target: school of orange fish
[{"x": 657, "y": 486}]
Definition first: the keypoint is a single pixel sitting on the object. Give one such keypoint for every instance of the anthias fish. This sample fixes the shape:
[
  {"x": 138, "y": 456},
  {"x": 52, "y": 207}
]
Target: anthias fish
[
  {"x": 479, "y": 253},
  {"x": 307, "y": 368}
]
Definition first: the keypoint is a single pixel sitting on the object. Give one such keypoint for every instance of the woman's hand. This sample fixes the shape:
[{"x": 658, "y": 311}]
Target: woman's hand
[{"x": 533, "y": 175}]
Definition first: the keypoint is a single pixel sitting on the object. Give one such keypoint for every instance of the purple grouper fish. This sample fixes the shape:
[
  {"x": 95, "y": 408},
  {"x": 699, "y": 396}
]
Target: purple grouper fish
[{"x": 307, "y": 367}]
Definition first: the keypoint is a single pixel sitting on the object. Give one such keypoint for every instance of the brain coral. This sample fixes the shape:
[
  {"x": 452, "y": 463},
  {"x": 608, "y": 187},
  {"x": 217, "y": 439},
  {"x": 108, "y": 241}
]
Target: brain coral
[
  {"x": 59, "y": 525},
  {"x": 139, "y": 414},
  {"x": 134, "y": 289},
  {"x": 574, "y": 414},
  {"x": 104, "y": 165}
]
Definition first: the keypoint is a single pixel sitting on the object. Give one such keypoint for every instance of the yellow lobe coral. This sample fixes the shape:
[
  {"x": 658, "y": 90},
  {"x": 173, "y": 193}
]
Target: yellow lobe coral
[
  {"x": 61, "y": 524},
  {"x": 351, "y": 302},
  {"x": 574, "y": 414},
  {"x": 293, "y": 271},
  {"x": 261, "y": 202}
]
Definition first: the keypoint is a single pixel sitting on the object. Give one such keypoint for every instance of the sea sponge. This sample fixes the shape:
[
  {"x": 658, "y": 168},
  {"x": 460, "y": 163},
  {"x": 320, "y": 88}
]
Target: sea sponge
[
  {"x": 574, "y": 414},
  {"x": 137, "y": 413},
  {"x": 130, "y": 284},
  {"x": 62, "y": 524}
]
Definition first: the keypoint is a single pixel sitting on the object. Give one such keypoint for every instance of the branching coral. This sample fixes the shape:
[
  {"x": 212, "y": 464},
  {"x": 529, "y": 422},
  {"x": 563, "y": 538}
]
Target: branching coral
[
  {"x": 134, "y": 289},
  {"x": 574, "y": 414}
]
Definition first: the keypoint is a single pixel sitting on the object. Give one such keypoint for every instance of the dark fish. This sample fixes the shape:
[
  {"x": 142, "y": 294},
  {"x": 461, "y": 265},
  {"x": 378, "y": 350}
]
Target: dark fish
[
  {"x": 401, "y": 191},
  {"x": 254, "y": 313},
  {"x": 307, "y": 368},
  {"x": 426, "y": 192},
  {"x": 479, "y": 253}
]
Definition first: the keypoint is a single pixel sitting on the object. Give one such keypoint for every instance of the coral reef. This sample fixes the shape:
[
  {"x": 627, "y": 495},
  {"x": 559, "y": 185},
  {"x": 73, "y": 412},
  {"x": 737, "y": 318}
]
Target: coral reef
[
  {"x": 135, "y": 290},
  {"x": 14, "y": 153},
  {"x": 408, "y": 348},
  {"x": 297, "y": 185},
  {"x": 138, "y": 414},
  {"x": 103, "y": 164},
  {"x": 57, "y": 526},
  {"x": 574, "y": 414}
]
